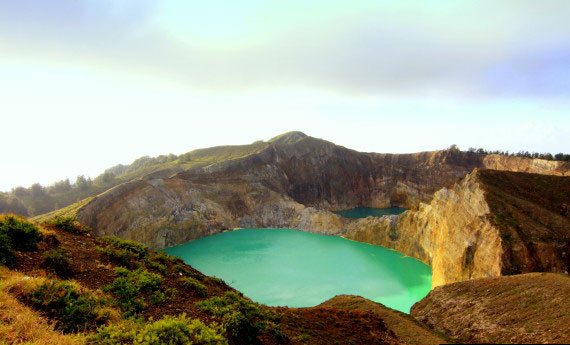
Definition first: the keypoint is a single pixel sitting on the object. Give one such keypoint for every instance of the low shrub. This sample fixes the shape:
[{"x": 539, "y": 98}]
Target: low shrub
[
  {"x": 129, "y": 288},
  {"x": 180, "y": 331},
  {"x": 69, "y": 224},
  {"x": 72, "y": 310},
  {"x": 58, "y": 261},
  {"x": 216, "y": 281},
  {"x": 120, "y": 333},
  {"x": 6, "y": 254},
  {"x": 169, "y": 330},
  {"x": 157, "y": 266},
  {"x": 166, "y": 259},
  {"x": 157, "y": 296},
  {"x": 24, "y": 236},
  {"x": 126, "y": 253},
  {"x": 243, "y": 319},
  {"x": 193, "y": 284}
]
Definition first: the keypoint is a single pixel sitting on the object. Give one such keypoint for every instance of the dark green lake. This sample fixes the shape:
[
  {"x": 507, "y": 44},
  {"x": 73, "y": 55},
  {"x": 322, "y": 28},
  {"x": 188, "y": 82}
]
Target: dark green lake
[
  {"x": 281, "y": 267},
  {"x": 363, "y": 212}
]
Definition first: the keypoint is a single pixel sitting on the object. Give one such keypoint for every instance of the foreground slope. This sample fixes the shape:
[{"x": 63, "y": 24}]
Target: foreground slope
[
  {"x": 127, "y": 279},
  {"x": 492, "y": 223},
  {"x": 527, "y": 308},
  {"x": 404, "y": 326}
]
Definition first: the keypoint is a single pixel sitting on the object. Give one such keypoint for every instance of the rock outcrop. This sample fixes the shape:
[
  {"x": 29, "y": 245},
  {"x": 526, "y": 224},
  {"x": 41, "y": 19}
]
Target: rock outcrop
[
  {"x": 528, "y": 308},
  {"x": 492, "y": 223},
  {"x": 165, "y": 212}
]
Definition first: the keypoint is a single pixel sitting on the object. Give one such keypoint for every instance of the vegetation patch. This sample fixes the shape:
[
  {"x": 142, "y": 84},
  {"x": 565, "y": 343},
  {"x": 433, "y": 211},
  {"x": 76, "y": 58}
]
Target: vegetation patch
[
  {"x": 6, "y": 255},
  {"x": 195, "y": 285},
  {"x": 157, "y": 266},
  {"x": 170, "y": 330},
  {"x": 216, "y": 281},
  {"x": 58, "y": 261},
  {"x": 16, "y": 234},
  {"x": 20, "y": 324},
  {"x": 23, "y": 234},
  {"x": 243, "y": 319},
  {"x": 125, "y": 253},
  {"x": 69, "y": 224},
  {"x": 72, "y": 309},
  {"x": 131, "y": 287}
]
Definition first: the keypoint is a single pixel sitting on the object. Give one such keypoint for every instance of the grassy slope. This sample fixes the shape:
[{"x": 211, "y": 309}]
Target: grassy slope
[
  {"x": 527, "y": 308},
  {"x": 20, "y": 324},
  {"x": 199, "y": 158}
]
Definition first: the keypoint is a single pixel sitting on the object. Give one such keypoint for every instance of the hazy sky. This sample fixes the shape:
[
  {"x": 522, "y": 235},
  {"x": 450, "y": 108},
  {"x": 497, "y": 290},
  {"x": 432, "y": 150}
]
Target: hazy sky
[{"x": 87, "y": 84}]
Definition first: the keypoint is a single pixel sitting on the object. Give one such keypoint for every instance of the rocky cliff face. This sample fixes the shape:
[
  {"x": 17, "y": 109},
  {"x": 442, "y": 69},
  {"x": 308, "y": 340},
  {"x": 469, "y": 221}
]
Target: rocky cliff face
[
  {"x": 296, "y": 180},
  {"x": 165, "y": 212},
  {"x": 481, "y": 227}
]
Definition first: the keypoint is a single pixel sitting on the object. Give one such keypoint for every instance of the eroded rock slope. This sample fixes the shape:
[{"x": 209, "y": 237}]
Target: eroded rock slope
[{"x": 492, "y": 223}]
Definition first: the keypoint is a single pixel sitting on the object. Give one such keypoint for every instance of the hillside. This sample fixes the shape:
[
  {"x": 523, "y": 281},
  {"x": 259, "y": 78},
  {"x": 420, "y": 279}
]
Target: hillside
[
  {"x": 404, "y": 326},
  {"x": 527, "y": 308},
  {"x": 38, "y": 199},
  {"x": 72, "y": 282},
  {"x": 291, "y": 181}
]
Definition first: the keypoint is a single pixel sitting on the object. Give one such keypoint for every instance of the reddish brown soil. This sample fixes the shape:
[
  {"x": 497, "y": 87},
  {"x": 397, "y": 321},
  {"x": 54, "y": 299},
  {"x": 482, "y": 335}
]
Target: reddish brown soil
[
  {"x": 529, "y": 308},
  {"x": 403, "y": 325},
  {"x": 318, "y": 325}
]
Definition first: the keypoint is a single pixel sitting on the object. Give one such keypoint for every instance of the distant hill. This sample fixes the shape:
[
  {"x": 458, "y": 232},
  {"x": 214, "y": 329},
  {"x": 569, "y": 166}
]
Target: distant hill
[{"x": 38, "y": 199}]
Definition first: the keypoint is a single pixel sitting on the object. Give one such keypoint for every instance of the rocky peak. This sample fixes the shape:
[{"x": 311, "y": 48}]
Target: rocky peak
[{"x": 288, "y": 138}]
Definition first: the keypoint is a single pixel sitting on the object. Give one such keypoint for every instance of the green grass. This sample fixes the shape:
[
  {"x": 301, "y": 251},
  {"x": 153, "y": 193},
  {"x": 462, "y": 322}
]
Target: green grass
[{"x": 66, "y": 212}]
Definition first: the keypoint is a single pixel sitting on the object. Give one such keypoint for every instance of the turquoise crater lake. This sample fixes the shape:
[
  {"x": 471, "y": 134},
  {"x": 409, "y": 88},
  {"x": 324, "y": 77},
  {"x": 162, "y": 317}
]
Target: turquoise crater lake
[{"x": 281, "y": 267}]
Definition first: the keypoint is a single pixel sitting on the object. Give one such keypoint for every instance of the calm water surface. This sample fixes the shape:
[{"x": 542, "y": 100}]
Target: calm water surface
[
  {"x": 363, "y": 212},
  {"x": 280, "y": 267}
]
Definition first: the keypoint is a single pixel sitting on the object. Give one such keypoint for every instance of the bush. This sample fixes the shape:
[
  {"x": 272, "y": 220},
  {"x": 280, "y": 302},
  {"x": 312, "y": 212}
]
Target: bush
[
  {"x": 243, "y": 319},
  {"x": 69, "y": 224},
  {"x": 193, "y": 284},
  {"x": 165, "y": 259},
  {"x": 130, "y": 286},
  {"x": 170, "y": 330},
  {"x": 126, "y": 253},
  {"x": 23, "y": 235},
  {"x": 72, "y": 309},
  {"x": 122, "y": 333},
  {"x": 157, "y": 266},
  {"x": 180, "y": 331},
  {"x": 216, "y": 281},
  {"x": 6, "y": 255},
  {"x": 58, "y": 260}
]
